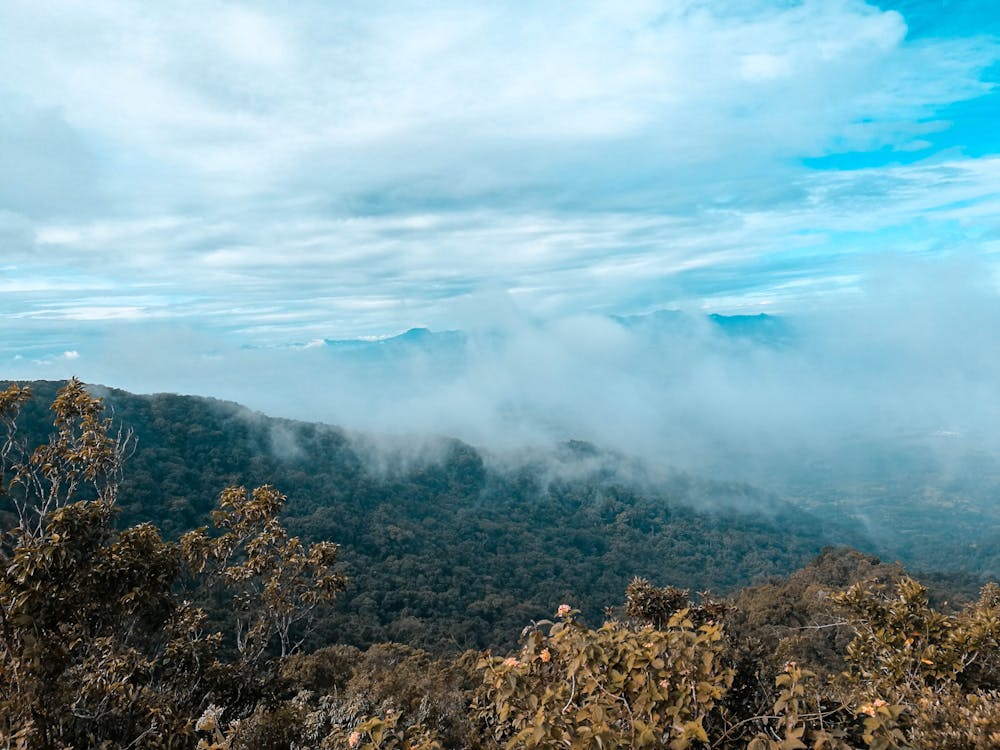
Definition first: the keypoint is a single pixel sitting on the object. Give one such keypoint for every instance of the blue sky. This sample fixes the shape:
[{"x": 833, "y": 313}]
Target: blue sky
[{"x": 256, "y": 174}]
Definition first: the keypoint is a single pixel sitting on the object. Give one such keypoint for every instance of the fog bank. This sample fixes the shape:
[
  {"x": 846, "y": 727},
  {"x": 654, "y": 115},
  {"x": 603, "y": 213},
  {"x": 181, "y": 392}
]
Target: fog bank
[{"x": 910, "y": 362}]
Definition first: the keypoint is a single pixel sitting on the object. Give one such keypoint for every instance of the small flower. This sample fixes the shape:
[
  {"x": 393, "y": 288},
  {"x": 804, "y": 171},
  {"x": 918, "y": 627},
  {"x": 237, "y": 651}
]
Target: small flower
[
  {"x": 872, "y": 708},
  {"x": 511, "y": 661},
  {"x": 563, "y": 610},
  {"x": 354, "y": 740},
  {"x": 545, "y": 655},
  {"x": 209, "y": 720},
  {"x": 663, "y": 684}
]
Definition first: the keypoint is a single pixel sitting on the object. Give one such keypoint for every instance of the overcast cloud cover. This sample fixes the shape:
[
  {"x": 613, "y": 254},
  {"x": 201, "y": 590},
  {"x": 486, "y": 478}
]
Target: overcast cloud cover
[{"x": 190, "y": 193}]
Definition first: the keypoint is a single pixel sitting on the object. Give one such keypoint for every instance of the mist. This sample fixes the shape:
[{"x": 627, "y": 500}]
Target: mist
[{"x": 908, "y": 363}]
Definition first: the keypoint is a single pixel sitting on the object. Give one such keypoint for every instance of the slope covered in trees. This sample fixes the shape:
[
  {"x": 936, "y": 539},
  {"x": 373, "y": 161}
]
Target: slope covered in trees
[
  {"x": 101, "y": 645},
  {"x": 446, "y": 549}
]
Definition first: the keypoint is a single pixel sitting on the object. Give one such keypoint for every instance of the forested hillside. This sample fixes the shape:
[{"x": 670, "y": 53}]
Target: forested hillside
[
  {"x": 113, "y": 636},
  {"x": 445, "y": 549}
]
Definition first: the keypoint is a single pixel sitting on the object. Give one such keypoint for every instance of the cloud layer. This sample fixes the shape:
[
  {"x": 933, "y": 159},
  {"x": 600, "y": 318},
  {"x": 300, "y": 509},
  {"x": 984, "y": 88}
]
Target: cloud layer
[
  {"x": 276, "y": 173},
  {"x": 914, "y": 358}
]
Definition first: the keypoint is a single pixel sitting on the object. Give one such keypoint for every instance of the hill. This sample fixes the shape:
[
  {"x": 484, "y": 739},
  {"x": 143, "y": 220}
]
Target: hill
[
  {"x": 447, "y": 547},
  {"x": 115, "y": 636}
]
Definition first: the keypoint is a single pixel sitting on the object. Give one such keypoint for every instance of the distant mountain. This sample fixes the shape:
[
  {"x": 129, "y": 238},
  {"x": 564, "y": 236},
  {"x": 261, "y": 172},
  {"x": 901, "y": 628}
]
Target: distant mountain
[
  {"x": 415, "y": 337},
  {"x": 764, "y": 329},
  {"x": 761, "y": 328}
]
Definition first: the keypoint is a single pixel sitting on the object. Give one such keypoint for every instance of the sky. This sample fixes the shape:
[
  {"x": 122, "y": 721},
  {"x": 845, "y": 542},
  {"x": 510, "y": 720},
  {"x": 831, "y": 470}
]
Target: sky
[{"x": 191, "y": 193}]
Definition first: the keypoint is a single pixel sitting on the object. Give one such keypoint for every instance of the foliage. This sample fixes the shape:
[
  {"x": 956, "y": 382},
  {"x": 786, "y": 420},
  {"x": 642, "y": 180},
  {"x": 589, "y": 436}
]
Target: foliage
[
  {"x": 924, "y": 678},
  {"x": 378, "y": 733},
  {"x": 616, "y": 686},
  {"x": 449, "y": 548},
  {"x": 278, "y": 581},
  {"x": 104, "y": 641},
  {"x": 420, "y": 696},
  {"x": 649, "y": 605},
  {"x": 915, "y": 677},
  {"x": 98, "y": 647}
]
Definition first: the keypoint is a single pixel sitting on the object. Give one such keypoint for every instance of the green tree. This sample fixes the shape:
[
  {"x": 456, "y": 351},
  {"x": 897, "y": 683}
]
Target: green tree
[
  {"x": 98, "y": 645},
  {"x": 615, "y": 686},
  {"x": 277, "y": 580}
]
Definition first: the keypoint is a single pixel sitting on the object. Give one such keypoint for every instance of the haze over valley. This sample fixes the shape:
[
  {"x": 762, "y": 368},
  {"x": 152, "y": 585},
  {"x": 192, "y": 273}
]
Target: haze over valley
[{"x": 883, "y": 414}]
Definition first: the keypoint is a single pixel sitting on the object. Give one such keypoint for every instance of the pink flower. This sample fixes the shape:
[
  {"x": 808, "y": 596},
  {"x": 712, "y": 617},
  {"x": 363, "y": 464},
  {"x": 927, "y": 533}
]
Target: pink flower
[
  {"x": 872, "y": 708},
  {"x": 510, "y": 661},
  {"x": 210, "y": 719},
  {"x": 563, "y": 610},
  {"x": 354, "y": 740}
]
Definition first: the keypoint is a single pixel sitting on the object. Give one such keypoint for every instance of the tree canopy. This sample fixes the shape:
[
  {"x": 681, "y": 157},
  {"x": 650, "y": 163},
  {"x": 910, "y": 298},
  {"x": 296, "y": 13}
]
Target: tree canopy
[{"x": 114, "y": 635}]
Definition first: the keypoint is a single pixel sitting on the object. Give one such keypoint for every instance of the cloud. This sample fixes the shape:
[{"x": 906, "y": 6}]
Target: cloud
[
  {"x": 913, "y": 354},
  {"x": 407, "y": 103},
  {"x": 880, "y": 403},
  {"x": 298, "y": 277},
  {"x": 48, "y": 167},
  {"x": 240, "y": 177}
]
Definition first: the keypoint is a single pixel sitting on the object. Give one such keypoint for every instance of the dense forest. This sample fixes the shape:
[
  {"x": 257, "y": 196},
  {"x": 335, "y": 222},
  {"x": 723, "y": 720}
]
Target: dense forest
[
  {"x": 446, "y": 549},
  {"x": 148, "y": 599}
]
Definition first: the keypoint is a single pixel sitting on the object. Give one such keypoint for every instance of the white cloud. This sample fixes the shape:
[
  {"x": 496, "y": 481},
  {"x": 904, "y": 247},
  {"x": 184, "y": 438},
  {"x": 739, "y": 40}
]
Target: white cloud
[
  {"x": 382, "y": 273},
  {"x": 228, "y": 100},
  {"x": 914, "y": 354},
  {"x": 252, "y": 38},
  {"x": 764, "y": 67},
  {"x": 355, "y": 168}
]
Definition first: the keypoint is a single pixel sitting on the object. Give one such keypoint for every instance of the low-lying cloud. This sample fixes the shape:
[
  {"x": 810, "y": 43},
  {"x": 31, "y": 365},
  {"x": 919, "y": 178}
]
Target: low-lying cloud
[{"x": 914, "y": 358}]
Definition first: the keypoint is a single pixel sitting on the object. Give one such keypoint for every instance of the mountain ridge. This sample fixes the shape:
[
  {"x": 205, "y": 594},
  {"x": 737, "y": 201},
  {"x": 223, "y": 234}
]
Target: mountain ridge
[
  {"x": 439, "y": 534},
  {"x": 760, "y": 327}
]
